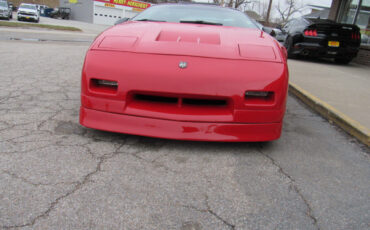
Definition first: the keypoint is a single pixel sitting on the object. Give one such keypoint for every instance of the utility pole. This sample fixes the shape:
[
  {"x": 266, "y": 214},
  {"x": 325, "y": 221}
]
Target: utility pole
[{"x": 268, "y": 13}]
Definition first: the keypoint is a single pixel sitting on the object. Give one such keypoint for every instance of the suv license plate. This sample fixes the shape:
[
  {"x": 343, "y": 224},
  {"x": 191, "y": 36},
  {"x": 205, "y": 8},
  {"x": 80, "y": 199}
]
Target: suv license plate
[{"x": 333, "y": 43}]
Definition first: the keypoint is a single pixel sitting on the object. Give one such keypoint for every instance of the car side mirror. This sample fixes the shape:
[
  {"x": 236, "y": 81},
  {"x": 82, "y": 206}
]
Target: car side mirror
[
  {"x": 122, "y": 20},
  {"x": 269, "y": 30}
]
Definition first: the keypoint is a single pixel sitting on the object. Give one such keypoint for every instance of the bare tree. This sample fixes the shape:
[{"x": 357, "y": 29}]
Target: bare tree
[
  {"x": 239, "y": 3},
  {"x": 268, "y": 13},
  {"x": 233, "y": 3},
  {"x": 292, "y": 7},
  {"x": 260, "y": 7}
]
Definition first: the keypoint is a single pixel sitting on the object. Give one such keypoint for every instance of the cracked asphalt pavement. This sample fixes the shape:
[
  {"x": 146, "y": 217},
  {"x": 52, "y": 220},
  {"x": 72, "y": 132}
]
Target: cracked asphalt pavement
[{"x": 56, "y": 174}]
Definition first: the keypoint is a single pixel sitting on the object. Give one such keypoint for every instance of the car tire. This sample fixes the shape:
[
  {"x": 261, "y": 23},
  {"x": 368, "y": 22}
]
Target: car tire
[
  {"x": 344, "y": 61},
  {"x": 289, "y": 47}
]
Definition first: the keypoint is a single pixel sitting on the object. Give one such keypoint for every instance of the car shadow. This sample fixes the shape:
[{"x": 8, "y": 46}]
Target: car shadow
[
  {"x": 153, "y": 144},
  {"x": 322, "y": 61}
]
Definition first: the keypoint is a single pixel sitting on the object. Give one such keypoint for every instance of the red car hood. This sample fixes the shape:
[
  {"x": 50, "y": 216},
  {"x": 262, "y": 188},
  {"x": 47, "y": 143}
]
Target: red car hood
[{"x": 190, "y": 40}]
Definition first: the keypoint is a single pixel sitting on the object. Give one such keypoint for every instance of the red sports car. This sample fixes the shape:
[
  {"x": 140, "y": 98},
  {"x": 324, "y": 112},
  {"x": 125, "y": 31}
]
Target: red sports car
[{"x": 189, "y": 72}]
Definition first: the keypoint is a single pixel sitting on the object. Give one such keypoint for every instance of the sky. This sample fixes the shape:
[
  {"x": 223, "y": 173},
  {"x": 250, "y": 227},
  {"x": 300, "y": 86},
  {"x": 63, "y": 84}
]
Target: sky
[
  {"x": 326, "y": 3},
  {"x": 317, "y": 2}
]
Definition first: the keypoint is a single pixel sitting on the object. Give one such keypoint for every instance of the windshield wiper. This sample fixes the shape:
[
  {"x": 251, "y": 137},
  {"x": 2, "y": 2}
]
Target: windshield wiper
[
  {"x": 201, "y": 22},
  {"x": 149, "y": 20}
]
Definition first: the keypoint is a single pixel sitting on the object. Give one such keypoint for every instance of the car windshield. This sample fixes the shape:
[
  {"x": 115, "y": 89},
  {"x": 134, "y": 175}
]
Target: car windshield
[
  {"x": 198, "y": 14},
  {"x": 32, "y": 7},
  {"x": 4, "y": 4}
]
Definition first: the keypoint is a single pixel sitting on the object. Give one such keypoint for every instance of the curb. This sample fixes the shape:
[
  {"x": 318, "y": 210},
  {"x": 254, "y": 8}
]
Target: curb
[{"x": 331, "y": 114}]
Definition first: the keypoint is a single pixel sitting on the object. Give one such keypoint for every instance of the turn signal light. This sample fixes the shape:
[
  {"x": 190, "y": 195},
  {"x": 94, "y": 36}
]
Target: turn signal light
[
  {"x": 256, "y": 94},
  {"x": 260, "y": 98},
  {"x": 106, "y": 83},
  {"x": 103, "y": 86}
]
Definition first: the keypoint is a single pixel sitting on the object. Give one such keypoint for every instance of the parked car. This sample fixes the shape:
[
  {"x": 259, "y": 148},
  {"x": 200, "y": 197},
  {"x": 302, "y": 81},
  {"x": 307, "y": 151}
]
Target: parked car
[
  {"x": 28, "y": 12},
  {"x": 274, "y": 32},
  {"x": 321, "y": 38},
  {"x": 61, "y": 12},
  {"x": 42, "y": 9},
  {"x": 5, "y": 12},
  {"x": 186, "y": 71},
  {"x": 279, "y": 35},
  {"x": 47, "y": 12}
]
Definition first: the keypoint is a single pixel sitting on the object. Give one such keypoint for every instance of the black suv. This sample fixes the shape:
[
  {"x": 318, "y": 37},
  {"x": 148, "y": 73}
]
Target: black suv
[{"x": 321, "y": 38}]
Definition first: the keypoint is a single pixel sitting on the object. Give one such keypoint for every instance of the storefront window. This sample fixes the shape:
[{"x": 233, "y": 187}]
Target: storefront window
[
  {"x": 349, "y": 11},
  {"x": 357, "y": 12},
  {"x": 363, "y": 21}
]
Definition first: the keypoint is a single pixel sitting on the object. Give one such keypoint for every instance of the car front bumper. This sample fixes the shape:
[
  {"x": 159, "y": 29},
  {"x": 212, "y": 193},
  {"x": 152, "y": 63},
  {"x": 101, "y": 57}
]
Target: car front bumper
[
  {"x": 27, "y": 17},
  {"x": 4, "y": 15},
  {"x": 180, "y": 130}
]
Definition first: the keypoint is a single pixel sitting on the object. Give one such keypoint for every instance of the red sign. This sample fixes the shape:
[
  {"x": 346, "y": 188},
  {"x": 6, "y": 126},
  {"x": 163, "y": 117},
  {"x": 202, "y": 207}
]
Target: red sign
[{"x": 130, "y": 3}]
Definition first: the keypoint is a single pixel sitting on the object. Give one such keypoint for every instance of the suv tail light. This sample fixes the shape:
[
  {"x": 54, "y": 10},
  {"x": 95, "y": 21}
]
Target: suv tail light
[
  {"x": 311, "y": 33},
  {"x": 356, "y": 36}
]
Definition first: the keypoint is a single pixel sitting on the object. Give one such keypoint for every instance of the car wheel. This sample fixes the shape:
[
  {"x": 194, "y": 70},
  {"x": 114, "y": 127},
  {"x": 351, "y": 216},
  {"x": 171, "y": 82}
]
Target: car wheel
[{"x": 343, "y": 60}]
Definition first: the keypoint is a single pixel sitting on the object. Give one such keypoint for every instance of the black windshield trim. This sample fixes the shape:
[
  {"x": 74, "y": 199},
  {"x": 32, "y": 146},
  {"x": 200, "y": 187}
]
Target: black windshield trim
[{"x": 201, "y": 22}]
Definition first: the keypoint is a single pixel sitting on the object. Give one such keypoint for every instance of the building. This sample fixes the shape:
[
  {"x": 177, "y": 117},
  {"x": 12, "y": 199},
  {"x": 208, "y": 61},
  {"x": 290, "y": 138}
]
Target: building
[
  {"x": 315, "y": 11},
  {"x": 355, "y": 12},
  {"x": 323, "y": 14},
  {"x": 352, "y": 12},
  {"x": 105, "y": 12},
  {"x": 49, "y": 3}
]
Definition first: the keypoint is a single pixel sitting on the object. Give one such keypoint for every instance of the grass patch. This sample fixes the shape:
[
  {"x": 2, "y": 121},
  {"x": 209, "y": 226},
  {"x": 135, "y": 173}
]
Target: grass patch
[{"x": 36, "y": 25}]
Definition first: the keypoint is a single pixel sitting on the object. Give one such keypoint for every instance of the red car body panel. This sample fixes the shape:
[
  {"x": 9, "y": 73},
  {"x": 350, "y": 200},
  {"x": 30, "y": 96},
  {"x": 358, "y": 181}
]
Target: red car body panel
[{"x": 204, "y": 101}]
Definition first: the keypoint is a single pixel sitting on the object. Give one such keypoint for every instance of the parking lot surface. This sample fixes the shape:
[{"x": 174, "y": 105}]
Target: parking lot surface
[
  {"x": 84, "y": 26},
  {"x": 55, "y": 174},
  {"x": 345, "y": 87}
]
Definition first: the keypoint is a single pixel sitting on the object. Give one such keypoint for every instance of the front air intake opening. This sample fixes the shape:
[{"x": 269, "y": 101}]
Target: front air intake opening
[
  {"x": 154, "y": 98},
  {"x": 180, "y": 100},
  {"x": 203, "y": 102}
]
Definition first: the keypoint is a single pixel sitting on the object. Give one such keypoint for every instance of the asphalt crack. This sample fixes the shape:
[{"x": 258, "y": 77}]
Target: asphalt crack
[
  {"x": 79, "y": 185},
  {"x": 294, "y": 186},
  {"x": 24, "y": 180},
  {"x": 211, "y": 212},
  {"x": 153, "y": 162}
]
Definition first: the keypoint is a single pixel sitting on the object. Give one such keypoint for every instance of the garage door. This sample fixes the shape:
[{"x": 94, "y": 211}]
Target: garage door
[
  {"x": 106, "y": 15},
  {"x": 130, "y": 14}
]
